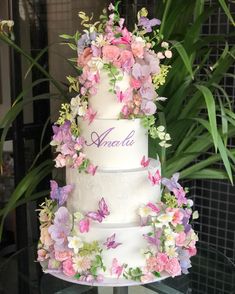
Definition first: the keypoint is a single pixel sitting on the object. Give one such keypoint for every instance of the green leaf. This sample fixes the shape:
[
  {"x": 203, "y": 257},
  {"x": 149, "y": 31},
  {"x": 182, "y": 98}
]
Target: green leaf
[
  {"x": 185, "y": 58},
  {"x": 210, "y": 103},
  {"x": 227, "y": 11}
]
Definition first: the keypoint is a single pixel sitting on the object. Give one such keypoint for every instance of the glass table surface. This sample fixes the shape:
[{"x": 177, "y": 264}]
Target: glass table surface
[{"x": 211, "y": 273}]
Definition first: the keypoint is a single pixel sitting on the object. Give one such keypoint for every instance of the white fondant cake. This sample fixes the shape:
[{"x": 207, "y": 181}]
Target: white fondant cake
[
  {"x": 115, "y": 144},
  {"x": 109, "y": 221}
]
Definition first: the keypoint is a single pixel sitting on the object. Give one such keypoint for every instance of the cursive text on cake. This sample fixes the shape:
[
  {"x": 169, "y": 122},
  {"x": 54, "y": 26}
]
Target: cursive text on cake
[{"x": 103, "y": 140}]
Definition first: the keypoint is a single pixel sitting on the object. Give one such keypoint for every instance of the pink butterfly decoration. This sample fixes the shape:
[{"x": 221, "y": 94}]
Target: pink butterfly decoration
[
  {"x": 84, "y": 225},
  {"x": 101, "y": 213},
  {"x": 116, "y": 269},
  {"x": 154, "y": 179},
  {"x": 144, "y": 162},
  {"x": 90, "y": 115},
  {"x": 60, "y": 193},
  {"x": 91, "y": 169},
  {"x": 111, "y": 243},
  {"x": 124, "y": 96}
]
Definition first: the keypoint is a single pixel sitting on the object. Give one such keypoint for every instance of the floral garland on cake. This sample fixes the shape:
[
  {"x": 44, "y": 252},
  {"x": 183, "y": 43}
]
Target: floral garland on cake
[
  {"x": 108, "y": 45},
  {"x": 169, "y": 244}
]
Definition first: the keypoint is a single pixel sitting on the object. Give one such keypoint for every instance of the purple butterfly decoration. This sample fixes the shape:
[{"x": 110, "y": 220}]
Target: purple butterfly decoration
[
  {"x": 60, "y": 193},
  {"x": 172, "y": 183},
  {"x": 111, "y": 243},
  {"x": 101, "y": 213},
  {"x": 148, "y": 23}
]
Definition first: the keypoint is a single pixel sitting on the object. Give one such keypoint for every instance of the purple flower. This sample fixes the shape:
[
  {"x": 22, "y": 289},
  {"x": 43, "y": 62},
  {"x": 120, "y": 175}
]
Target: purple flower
[
  {"x": 61, "y": 228},
  {"x": 140, "y": 71},
  {"x": 153, "y": 62},
  {"x": 184, "y": 259},
  {"x": 148, "y": 23},
  {"x": 85, "y": 41},
  {"x": 148, "y": 107},
  {"x": 62, "y": 134},
  {"x": 147, "y": 91}
]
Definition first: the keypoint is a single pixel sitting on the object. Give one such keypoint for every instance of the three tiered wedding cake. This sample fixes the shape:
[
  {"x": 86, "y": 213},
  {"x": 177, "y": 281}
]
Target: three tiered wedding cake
[{"x": 114, "y": 219}]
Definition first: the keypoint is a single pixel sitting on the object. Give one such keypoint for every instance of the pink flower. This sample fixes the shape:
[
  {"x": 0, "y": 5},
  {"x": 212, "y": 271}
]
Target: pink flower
[
  {"x": 84, "y": 57},
  {"x": 60, "y": 160},
  {"x": 116, "y": 269},
  {"x": 136, "y": 84},
  {"x": 78, "y": 160},
  {"x": 138, "y": 49},
  {"x": 45, "y": 237},
  {"x": 162, "y": 260},
  {"x": 84, "y": 225},
  {"x": 177, "y": 217},
  {"x": 124, "y": 39},
  {"x": 126, "y": 60},
  {"x": 62, "y": 255},
  {"x": 151, "y": 263},
  {"x": 125, "y": 110},
  {"x": 53, "y": 264},
  {"x": 42, "y": 255},
  {"x": 180, "y": 239},
  {"x": 111, "y": 52},
  {"x": 192, "y": 250},
  {"x": 146, "y": 278},
  {"x": 173, "y": 267},
  {"x": 68, "y": 268}
]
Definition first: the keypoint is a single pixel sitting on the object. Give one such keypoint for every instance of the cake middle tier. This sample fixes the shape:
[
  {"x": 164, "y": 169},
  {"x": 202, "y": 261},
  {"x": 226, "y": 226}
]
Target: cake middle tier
[
  {"x": 123, "y": 191},
  {"x": 114, "y": 144}
]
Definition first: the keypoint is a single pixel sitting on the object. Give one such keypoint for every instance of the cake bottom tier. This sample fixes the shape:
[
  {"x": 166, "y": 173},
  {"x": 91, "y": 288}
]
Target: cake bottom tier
[{"x": 130, "y": 249}]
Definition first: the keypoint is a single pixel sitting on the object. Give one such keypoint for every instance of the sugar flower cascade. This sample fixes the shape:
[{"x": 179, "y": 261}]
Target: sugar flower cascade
[{"x": 132, "y": 65}]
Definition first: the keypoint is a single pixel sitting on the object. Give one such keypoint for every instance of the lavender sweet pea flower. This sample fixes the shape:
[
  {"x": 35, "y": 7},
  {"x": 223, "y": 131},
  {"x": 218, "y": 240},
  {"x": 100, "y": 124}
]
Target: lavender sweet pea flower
[
  {"x": 151, "y": 58},
  {"x": 85, "y": 40},
  {"x": 148, "y": 107},
  {"x": 61, "y": 228},
  {"x": 184, "y": 259},
  {"x": 147, "y": 92},
  {"x": 140, "y": 71},
  {"x": 62, "y": 134},
  {"x": 148, "y": 23}
]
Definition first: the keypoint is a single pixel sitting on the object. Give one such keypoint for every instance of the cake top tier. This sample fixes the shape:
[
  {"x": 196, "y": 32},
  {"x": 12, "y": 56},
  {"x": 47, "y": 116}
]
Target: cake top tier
[
  {"x": 120, "y": 71},
  {"x": 118, "y": 76}
]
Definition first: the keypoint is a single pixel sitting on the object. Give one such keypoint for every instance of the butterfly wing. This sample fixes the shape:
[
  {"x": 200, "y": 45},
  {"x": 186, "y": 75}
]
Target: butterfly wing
[
  {"x": 63, "y": 193},
  {"x": 95, "y": 216},
  {"x": 103, "y": 208},
  {"x": 54, "y": 190}
]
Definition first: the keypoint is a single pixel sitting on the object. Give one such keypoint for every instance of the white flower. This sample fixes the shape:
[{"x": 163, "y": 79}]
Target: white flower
[
  {"x": 139, "y": 40},
  {"x": 81, "y": 264},
  {"x": 95, "y": 64},
  {"x": 165, "y": 45},
  {"x": 100, "y": 41},
  {"x": 165, "y": 218},
  {"x": 74, "y": 105},
  {"x": 171, "y": 251},
  {"x": 82, "y": 109},
  {"x": 145, "y": 211},
  {"x": 190, "y": 202},
  {"x": 75, "y": 243}
]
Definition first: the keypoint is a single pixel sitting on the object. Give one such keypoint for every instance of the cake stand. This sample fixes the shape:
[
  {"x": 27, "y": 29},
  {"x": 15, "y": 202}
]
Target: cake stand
[{"x": 120, "y": 285}]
